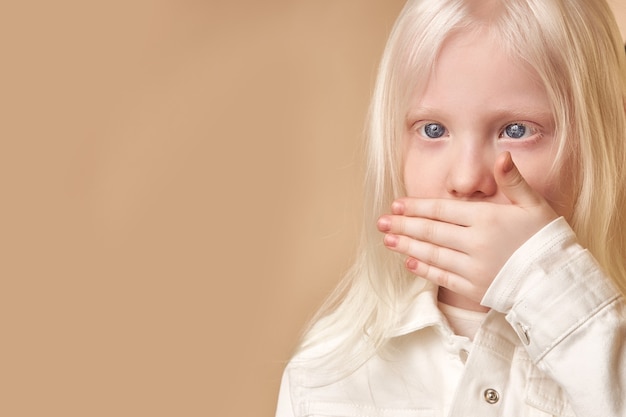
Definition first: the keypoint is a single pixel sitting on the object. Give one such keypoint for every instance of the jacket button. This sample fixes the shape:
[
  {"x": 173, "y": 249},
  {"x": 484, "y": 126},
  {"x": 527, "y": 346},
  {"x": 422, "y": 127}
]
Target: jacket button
[{"x": 491, "y": 396}]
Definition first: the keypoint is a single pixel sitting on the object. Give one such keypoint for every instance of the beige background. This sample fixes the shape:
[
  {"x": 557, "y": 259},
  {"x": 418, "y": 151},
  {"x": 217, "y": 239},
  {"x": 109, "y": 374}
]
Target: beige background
[{"x": 180, "y": 190}]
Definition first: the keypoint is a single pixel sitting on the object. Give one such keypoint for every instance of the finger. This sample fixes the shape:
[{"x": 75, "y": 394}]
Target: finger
[
  {"x": 512, "y": 183},
  {"x": 440, "y": 277},
  {"x": 426, "y": 230},
  {"x": 449, "y": 211},
  {"x": 440, "y": 257}
]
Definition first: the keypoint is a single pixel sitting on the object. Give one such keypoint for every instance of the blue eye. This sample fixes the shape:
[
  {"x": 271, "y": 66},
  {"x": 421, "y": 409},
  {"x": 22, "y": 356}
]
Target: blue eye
[
  {"x": 516, "y": 131},
  {"x": 433, "y": 130}
]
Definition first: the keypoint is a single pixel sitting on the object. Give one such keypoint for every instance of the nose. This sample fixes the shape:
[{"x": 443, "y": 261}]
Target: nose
[{"x": 470, "y": 173}]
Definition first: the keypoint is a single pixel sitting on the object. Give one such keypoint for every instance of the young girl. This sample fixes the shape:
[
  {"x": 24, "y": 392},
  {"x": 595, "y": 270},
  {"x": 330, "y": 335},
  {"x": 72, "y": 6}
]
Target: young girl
[{"x": 491, "y": 273}]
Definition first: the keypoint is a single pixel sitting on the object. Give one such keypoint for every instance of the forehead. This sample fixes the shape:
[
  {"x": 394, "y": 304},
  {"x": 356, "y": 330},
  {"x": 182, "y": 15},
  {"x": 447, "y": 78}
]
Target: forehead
[{"x": 473, "y": 69}]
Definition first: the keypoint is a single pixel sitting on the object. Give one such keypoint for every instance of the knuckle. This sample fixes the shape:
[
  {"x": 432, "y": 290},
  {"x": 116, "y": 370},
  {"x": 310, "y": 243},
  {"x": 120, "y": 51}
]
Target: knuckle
[
  {"x": 428, "y": 231},
  {"x": 401, "y": 224},
  {"x": 443, "y": 278},
  {"x": 433, "y": 256},
  {"x": 437, "y": 209},
  {"x": 517, "y": 181}
]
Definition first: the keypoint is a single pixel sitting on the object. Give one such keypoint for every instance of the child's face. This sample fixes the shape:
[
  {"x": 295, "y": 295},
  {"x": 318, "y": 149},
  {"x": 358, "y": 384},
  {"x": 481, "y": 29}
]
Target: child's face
[{"x": 478, "y": 103}]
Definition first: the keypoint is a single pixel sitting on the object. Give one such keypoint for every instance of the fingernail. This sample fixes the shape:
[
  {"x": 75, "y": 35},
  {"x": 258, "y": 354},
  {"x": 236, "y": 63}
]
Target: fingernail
[
  {"x": 411, "y": 264},
  {"x": 384, "y": 224},
  {"x": 397, "y": 207},
  {"x": 390, "y": 241}
]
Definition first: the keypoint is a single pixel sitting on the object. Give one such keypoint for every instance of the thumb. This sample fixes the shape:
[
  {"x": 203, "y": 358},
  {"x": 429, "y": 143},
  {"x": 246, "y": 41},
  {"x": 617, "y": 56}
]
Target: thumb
[{"x": 511, "y": 182}]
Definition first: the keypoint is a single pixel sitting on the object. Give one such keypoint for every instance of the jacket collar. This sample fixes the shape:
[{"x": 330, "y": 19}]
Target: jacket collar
[{"x": 421, "y": 311}]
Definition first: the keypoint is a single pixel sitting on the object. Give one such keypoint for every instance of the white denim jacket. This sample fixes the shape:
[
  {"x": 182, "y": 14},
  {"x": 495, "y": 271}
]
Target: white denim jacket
[{"x": 554, "y": 344}]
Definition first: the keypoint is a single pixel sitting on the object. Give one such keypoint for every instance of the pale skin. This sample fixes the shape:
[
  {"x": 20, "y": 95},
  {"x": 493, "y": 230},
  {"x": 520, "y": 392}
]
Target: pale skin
[{"x": 478, "y": 144}]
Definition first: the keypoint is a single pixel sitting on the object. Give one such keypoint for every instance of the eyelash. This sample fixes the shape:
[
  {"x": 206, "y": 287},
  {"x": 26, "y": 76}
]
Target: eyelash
[{"x": 529, "y": 131}]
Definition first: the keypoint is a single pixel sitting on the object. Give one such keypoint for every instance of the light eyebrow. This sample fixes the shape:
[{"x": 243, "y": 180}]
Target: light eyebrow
[
  {"x": 522, "y": 113},
  {"x": 499, "y": 113},
  {"x": 422, "y": 112}
]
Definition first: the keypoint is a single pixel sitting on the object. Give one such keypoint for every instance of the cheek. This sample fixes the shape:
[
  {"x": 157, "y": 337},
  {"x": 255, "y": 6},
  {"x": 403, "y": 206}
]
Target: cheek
[{"x": 422, "y": 177}]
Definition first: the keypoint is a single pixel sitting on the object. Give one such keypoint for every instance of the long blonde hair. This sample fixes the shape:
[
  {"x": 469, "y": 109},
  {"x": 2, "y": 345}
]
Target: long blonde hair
[{"x": 575, "y": 47}]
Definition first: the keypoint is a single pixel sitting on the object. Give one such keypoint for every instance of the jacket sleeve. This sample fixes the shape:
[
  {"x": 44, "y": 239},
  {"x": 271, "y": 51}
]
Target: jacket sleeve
[
  {"x": 284, "y": 407},
  {"x": 569, "y": 316}
]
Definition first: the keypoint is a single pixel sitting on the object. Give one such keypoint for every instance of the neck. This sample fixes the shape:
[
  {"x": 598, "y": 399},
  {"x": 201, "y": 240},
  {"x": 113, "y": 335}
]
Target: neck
[{"x": 456, "y": 300}]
